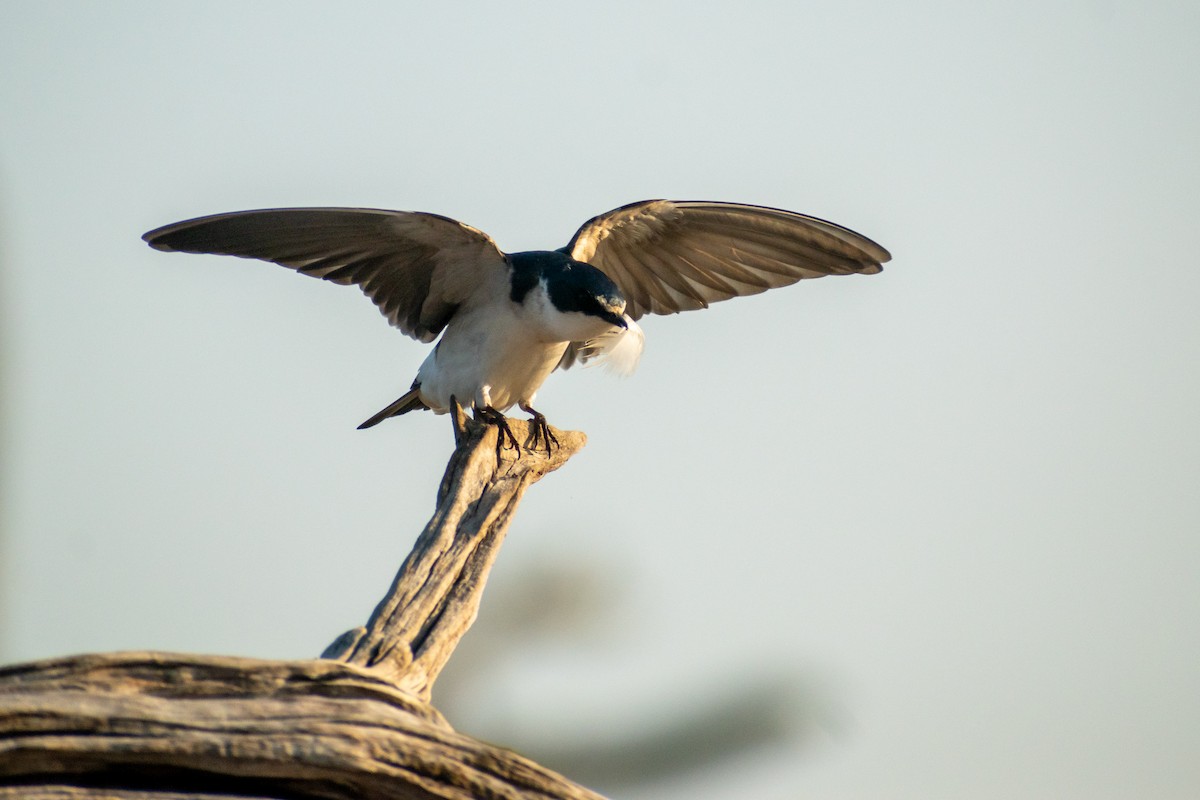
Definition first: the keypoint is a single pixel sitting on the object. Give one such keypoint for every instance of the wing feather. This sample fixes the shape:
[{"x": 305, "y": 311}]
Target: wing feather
[
  {"x": 416, "y": 267},
  {"x": 671, "y": 256}
]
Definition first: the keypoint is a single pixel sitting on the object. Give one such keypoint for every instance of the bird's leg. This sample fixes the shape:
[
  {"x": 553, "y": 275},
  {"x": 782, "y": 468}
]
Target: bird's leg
[
  {"x": 494, "y": 417},
  {"x": 541, "y": 428}
]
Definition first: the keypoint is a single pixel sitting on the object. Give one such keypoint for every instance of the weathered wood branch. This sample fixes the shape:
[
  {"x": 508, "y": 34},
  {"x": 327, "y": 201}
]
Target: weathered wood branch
[
  {"x": 355, "y": 724},
  {"x": 435, "y": 597}
]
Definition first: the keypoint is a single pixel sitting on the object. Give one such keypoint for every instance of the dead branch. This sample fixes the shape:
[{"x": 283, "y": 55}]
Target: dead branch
[{"x": 355, "y": 724}]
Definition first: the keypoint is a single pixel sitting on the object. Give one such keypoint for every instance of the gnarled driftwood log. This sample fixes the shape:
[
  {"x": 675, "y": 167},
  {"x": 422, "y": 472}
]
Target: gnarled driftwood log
[{"x": 354, "y": 724}]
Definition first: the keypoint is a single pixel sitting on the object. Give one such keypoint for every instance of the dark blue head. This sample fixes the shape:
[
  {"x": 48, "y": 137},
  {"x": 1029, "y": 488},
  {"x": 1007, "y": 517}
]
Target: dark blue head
[{"x": 571, "y": 285}]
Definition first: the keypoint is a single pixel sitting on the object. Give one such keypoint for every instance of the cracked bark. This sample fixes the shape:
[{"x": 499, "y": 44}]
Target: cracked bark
[{"x": 355, "y": 723}]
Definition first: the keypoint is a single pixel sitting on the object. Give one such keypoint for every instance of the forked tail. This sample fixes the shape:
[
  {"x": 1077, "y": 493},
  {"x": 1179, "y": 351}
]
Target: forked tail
[{"x": 410, "y": 401}]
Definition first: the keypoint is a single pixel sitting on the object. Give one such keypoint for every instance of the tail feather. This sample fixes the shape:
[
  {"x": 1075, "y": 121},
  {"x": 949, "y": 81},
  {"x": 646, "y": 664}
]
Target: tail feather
[{"x": 410, "y": 401}]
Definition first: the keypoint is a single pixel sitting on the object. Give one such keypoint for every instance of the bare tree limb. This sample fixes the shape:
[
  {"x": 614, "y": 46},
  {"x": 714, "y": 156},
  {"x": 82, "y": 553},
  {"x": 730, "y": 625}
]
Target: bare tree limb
[
  {"x": 435, "y": 597},
  {"x": 355, "y": 724}
]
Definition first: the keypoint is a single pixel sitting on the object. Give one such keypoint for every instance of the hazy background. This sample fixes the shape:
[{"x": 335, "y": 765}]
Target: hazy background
[{"x": 929, "y": 534}]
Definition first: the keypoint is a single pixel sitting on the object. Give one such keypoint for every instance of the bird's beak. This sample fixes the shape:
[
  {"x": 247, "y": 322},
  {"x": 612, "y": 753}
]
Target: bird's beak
[{"x": 615, "y": 319}]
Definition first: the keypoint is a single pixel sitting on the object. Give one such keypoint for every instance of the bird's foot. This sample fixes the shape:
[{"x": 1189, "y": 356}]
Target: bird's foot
[
  {"x": 541, "y": 429},
  {"x": 493, "y": 417}
]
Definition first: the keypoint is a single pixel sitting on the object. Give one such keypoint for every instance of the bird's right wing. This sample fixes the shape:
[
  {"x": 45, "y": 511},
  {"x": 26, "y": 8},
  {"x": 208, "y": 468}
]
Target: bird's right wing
[
  {"x": 417, "y": 267},
  {"x": 670, "y": 256}
]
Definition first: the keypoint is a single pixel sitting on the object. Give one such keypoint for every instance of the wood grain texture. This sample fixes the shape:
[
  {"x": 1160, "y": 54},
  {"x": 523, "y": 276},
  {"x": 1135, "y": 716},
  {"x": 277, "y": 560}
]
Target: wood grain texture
[
  {"x": 355, "y": 724},
  {"x": 435, "y": 596}
]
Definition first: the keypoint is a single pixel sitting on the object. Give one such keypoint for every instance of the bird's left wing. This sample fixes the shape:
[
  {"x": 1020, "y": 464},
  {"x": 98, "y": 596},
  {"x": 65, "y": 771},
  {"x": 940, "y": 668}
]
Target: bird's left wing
[
  {"x": 417, "y": 267},
  {"x": 671, "y": 256}
]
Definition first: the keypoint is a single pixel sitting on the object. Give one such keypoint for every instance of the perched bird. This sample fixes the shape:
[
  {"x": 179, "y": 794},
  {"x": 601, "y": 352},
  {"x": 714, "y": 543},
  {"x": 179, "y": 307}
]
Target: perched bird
[{"x": 507, "y": 320}]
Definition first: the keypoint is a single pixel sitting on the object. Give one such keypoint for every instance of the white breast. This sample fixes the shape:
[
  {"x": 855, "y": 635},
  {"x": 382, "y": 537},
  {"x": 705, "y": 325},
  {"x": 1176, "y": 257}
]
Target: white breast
[{"x": 490, "y": 356}]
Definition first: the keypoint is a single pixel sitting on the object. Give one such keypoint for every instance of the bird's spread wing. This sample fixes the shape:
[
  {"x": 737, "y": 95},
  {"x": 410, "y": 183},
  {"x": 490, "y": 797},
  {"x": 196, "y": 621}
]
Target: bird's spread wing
[
  {"x": 670, "y": 256},
  {"x": 417, "y": 267}
]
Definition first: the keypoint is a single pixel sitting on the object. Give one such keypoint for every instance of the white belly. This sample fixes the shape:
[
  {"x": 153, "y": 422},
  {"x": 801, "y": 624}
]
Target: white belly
[{"x": 485, "y": 360}]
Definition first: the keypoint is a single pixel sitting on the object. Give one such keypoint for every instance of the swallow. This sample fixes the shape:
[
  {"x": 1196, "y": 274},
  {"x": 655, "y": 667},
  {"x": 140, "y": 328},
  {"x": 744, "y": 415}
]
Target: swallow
[{"x": 508, "y": 320}]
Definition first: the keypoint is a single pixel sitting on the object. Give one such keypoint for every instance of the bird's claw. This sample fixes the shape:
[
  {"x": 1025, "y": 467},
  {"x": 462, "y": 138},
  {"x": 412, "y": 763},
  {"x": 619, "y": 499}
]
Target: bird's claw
[
  {"x": 493, "y": 417},
  {"x": 541, "y": 430}
]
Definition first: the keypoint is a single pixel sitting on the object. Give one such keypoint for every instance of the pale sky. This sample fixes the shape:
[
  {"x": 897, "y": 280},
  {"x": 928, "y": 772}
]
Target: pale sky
[{"x": 954, "y": 505}]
